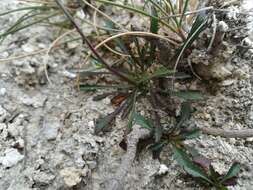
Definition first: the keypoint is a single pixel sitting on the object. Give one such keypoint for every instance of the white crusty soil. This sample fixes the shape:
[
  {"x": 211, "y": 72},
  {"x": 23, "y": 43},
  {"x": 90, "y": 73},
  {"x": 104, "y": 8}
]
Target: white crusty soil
[{"x": 47, "y": 139}]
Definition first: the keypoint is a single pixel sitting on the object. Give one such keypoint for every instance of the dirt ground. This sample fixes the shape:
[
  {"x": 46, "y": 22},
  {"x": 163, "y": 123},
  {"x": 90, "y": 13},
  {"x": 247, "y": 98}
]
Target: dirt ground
[{"x": 47, "y": 139}]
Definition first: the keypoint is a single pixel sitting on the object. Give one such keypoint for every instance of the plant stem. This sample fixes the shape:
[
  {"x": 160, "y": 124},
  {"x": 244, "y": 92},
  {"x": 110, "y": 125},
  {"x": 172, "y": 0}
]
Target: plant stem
[
  {"x": 246, "y": 133},
  {"x": 157, "y": 123},
  {"x": 85, "y": 40}
]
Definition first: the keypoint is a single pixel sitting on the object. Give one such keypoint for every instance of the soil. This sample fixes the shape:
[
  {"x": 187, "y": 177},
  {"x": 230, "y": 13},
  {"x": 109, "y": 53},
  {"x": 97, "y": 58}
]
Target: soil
[{"x": 47, "y": 138}]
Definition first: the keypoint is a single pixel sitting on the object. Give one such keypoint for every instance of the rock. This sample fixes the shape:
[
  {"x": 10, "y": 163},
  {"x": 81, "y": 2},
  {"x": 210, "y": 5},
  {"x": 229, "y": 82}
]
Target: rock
[
  {"x": 11, "y": 158},
  {"x": 232, "y": 12},
  {"x": 14, "y": 130},
  {"x": 43, "y": 177},
  {"x": 222, "y": 26},
  {"x": 227, "y": 82},
  {"x": 163, "y": 169},
  {"x": 28, "y": 48},
  {"x": 72, "y": 176},
  {"x": 91, "y": 124},
  {"x": 35, "y": 101},
  {"x": 27, "y": 69},
  {"x": 92, "y": 164},
  {"x": 51, "y": 128},
  {"x": 250, "y": 139},
  {"x": 2, "y": 91},
  {"x": 69, "y": 74},
  {"x": 4, "y": 54}
]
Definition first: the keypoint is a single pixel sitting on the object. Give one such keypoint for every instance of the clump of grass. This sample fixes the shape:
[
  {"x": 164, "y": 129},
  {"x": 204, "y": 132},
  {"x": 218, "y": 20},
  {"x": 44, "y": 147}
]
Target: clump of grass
[{"x": 140, "y": 74}]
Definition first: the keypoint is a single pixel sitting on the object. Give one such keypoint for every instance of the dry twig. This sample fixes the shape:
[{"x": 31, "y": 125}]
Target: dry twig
[{"x": 246, "y": 133}]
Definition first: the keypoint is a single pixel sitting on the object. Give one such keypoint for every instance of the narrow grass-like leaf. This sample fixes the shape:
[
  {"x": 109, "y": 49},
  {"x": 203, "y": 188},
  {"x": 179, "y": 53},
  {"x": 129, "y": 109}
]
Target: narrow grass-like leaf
[
  {"x": 20, "y": 20},
  {"x": 94, "y": 51},
  {"x": 118, "y": 41},
  {"x": 90, "y": 87},
  {"x": 198, "y": 26},
  {"x": 233, "y": 171},
  {"x": 92, "y": 73},
  {"x": 28, "y": 8},
  {"x": 102, "y": 96},
  {"x": 28, "y": 25},
  {"x": 158, "y": 7},
  {"x": 184, "y": 11},
  {"x": 154, "y": 27},
  {"x": 184, "y": 161},
  {"x": 173, "y": 12},
  {"x": 130, "y": 8}
]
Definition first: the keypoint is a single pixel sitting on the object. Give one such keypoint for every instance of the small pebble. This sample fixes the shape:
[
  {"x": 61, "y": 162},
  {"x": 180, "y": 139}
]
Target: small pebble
[
  {"x": 163, "y": 169},
  {"x": 11, "y": 158},
  {"x": 2, "y": 91},
  {"x": 69, "y": 74},
  {"x": 91, "y": 124}
]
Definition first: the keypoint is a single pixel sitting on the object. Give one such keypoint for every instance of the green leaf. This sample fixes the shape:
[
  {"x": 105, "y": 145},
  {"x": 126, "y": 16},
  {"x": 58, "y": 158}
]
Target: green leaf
[
  {"x": 173, "y": 12},
  {"x": 129, "y": 108},
  {"x": 155, "y": 4},
  {"x": 94, "y": 87},
  {"x": 101, "y": 96},
  {"x": 184, "y": 11},
  {"x": 157, "y": 149},
  {"x": 185, "y": 113},
  {"x": 233, "y": 171},
  {"x": 118, "y": 41},
  {"x": 154, "y": 26},
  {"x": 184, "y": 161},
  {"x": 36, "y": 21},
  {"x": 103, "y": 123},
  {"x": 214, "y": 175},
  {"x": 198, "y": 26},
  {"x": 136, "y": 10},
  {"x": 188, "y": 95},
  {"x": 28, "y": 8},
  {"x": 92, "y": 73},
  {"x": 143, "y": 122}
]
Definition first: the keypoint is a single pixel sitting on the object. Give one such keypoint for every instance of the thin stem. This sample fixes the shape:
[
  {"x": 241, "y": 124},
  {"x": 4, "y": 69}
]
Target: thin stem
[
  {"x": 140, "y": 12},
  {"x": 157, "y": 119},
  {"x": 85, "y": 40},
  {"x": 246, "y": 133}
]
